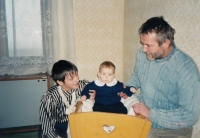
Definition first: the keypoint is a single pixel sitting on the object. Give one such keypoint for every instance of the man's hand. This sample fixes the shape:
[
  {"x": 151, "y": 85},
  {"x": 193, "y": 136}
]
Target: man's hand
[
  {"x": 92, "y": 94},
  {"x": 140, "y": 108},
  {"x": 123, "y": 95}
]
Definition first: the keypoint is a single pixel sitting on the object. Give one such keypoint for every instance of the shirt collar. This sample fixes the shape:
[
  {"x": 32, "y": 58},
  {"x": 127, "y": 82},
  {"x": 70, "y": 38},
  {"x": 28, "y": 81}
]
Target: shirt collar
[
  {"x": 67, "y": 94},
  {"x": 98, "y": 82}
]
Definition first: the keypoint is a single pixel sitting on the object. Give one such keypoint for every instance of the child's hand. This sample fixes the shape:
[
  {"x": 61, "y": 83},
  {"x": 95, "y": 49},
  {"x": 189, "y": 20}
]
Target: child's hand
[
  {"x": 92, "y": 94},
  {"x": 132, "y": 89},
  {"x": 83, "y": 98}
]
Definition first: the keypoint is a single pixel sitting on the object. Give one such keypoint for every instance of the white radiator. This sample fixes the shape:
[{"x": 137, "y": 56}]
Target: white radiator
[{"x": 20, "y": 99}]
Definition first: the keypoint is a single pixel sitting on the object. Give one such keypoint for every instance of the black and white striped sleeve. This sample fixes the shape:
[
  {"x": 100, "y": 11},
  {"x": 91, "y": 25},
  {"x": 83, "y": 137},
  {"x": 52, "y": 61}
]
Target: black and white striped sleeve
[{"x": 47, "y": 117}]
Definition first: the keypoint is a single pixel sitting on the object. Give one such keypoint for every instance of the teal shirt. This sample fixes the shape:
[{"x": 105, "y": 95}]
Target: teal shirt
[{"x": 170, "y": 88}]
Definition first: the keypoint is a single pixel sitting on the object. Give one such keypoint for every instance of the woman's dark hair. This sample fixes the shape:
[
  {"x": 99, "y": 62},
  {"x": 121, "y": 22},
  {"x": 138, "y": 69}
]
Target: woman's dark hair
[
  {"x": 159, "y": 26},
  {"x": 61, "y": 69}
]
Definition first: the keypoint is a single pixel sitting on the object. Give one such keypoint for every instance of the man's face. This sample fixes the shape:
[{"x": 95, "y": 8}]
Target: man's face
[
  {"x": 71, "y": 82},
  {"x": 106, "y": 75},
  {"x": 151, "y": 47}
]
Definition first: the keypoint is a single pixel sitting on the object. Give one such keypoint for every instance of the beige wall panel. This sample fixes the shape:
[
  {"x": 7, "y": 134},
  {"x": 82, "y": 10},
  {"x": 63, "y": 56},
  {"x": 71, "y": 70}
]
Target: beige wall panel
[{"x": 98, "y": 35}]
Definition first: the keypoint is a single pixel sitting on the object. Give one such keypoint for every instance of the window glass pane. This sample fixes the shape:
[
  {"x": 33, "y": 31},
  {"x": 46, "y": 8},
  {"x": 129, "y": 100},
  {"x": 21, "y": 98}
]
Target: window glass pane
[{"x": 24, "y": 28}]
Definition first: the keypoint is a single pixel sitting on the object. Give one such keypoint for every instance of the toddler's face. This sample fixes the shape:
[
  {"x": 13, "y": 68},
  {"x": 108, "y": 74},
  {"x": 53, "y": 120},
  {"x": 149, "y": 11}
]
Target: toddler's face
[{"x": 106, "y": 75}]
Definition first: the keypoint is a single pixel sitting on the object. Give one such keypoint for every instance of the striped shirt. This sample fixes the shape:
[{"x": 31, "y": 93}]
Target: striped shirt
[{"x": 53, "y": 109}]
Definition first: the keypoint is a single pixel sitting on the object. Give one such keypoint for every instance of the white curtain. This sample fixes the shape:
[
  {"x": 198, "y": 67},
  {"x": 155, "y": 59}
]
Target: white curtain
[
  {"x": 63, "y": 30},
  {"x": 56, "y": 25}
]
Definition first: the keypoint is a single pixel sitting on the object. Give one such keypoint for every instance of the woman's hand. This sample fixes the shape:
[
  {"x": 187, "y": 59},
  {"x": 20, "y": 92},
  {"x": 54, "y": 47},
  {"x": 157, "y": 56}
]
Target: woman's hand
[
  {"x": 83, "y": 98},
  {"x": 122, "y": 95}
]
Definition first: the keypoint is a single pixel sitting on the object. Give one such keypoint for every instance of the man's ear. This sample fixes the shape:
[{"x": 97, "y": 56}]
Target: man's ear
[
  {"x": 166, "y": 44},
  {"x": 59, "y": 82}
]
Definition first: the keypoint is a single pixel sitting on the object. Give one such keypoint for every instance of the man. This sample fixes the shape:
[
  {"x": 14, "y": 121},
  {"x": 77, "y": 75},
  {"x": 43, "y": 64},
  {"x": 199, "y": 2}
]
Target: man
[
  {"x": 169, "y": 82},
  {"x": 60, "y": 100}
]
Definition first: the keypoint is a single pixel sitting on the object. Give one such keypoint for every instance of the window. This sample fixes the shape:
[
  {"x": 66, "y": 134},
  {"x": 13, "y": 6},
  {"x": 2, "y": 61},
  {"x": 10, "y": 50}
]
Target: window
[
  {"x": 25, "y": 43},
  {"x": 24, "y": 32}
]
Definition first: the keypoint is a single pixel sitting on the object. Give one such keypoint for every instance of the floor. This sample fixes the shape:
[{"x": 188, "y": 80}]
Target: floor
[{"x": 32, "y": 134}]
